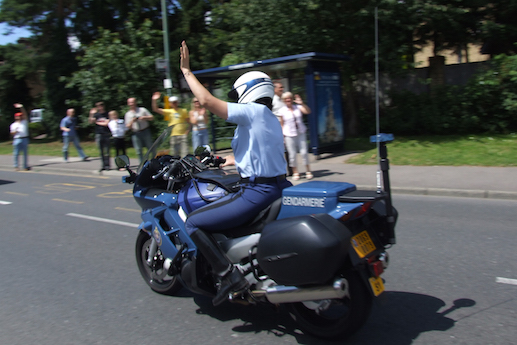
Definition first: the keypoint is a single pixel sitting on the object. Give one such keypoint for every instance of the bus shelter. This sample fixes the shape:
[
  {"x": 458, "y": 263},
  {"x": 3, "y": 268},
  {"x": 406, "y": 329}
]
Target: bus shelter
[{"x": 316, "y": 77}]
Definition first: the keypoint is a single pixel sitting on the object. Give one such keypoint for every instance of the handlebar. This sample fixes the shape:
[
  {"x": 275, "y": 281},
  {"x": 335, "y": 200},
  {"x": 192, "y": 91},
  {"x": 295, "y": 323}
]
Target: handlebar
[{"x": 174, "y": 167}]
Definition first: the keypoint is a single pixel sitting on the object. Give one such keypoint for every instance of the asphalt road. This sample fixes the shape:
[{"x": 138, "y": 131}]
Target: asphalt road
[{"x": 68, "y": 274}]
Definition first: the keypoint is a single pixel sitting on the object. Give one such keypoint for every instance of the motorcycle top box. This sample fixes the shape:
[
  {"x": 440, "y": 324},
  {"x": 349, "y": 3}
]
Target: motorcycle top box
[{"x": 313, "y": 197}]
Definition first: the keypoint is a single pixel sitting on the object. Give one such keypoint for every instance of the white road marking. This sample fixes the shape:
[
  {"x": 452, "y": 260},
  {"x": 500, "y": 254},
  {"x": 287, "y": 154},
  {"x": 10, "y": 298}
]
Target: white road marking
[
  {"x": 105, "y": 220},
  {"x": 506, "y": 281},
  {"x": 5, "y": 202}
]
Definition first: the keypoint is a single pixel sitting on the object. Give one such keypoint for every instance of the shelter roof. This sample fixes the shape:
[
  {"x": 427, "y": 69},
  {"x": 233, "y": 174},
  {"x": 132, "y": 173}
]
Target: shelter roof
[{"x": 269, "y": 66}]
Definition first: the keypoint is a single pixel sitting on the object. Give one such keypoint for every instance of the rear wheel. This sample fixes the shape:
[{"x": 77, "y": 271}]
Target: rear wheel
[
  {"x": 336, "y": 318},
  {"x": 154, "y": 274}
]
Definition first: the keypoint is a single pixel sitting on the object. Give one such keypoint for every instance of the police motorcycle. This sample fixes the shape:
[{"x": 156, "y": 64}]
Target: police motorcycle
[{"x": 320, "y": 250}]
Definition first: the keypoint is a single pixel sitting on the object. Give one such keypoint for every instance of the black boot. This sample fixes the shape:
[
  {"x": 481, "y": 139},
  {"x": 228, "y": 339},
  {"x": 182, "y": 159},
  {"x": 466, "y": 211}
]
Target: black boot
[{"x": 231, "y": 278}]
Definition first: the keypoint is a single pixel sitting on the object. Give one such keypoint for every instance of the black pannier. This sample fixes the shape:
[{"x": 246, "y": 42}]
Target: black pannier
[{"x": 303, "y": 250}]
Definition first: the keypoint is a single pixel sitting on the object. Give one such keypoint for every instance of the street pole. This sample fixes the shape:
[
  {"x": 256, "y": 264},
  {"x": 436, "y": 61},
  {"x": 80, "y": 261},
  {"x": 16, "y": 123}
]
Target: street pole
[{"x": 167, "y": 83}]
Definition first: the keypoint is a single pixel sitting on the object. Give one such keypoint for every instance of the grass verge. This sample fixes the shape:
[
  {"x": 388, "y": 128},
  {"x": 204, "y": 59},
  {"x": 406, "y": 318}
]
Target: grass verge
[{"x": 473, "y": 150}]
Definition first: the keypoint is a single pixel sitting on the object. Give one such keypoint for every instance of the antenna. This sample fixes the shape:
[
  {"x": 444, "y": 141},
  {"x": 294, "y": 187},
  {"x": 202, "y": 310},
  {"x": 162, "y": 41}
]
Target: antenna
[{"x": 377, "y": 121}]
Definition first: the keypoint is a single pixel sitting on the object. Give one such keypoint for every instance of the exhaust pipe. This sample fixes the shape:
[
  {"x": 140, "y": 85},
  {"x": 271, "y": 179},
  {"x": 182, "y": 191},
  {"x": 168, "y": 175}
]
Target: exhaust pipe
[{"x": 292, "y": 294}]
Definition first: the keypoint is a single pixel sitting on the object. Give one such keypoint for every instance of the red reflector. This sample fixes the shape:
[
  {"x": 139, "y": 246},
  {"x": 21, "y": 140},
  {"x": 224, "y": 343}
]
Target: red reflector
[
  {"x": 366, "y": 206},
  {"x": 377, "y": 268},
  {"x": 345, "y": 217}
]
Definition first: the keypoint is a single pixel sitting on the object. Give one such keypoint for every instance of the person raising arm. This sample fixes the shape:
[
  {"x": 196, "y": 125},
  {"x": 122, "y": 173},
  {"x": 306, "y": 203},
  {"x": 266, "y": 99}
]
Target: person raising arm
[{"x": 258, "y": 147}]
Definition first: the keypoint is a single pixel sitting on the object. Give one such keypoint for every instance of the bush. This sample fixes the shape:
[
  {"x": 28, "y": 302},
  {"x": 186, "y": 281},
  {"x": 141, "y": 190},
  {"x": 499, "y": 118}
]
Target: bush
[{"x": 488, "y": 103}]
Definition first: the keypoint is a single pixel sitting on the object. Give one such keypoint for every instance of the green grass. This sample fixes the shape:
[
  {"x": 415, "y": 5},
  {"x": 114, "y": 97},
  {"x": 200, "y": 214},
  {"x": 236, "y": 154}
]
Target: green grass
[
  {"x": 46, "y": 147},
  {"x": 475, "y": 150}
]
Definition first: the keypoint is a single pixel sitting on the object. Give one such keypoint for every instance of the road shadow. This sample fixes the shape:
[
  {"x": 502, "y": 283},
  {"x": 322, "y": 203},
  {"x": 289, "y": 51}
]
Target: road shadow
[
  {"x": 397, "y": 318},
  {"x": 325, "y": 172},
  {"x": 6, "y": 182}
]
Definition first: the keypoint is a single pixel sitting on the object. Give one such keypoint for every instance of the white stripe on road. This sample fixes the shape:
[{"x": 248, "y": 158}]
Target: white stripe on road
[
  {"x": 97, "y": 219},
  {"x": 5, "y": 202},
  {"x": 506, "y": 281}
]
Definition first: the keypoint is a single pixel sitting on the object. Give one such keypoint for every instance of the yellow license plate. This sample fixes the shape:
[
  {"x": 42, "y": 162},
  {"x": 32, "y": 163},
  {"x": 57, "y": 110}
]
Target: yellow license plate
[
  {"x": 362, "y": 244},
  {"x": 377, "y": 285}
]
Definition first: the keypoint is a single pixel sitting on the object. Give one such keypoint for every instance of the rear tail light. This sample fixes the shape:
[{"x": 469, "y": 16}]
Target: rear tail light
[
  {"x": 356, "y": 213},
  {"x": 363, "y": 209},
  {"x": 376, "y": 266}
]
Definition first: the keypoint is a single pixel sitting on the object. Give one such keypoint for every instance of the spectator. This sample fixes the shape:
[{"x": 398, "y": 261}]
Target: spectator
[
  {"x": 277, "y": 105},
  {"x": 20, "y": 131},
  {"x": 177, "y": 117},
  {"x": 118, "y": 130},
  {"x": 295, "y": 132},
  {"x": 199, "y": 120},
  {"x": 137, "y": 118},
  {"x": 277, "y": 99},
  {"x": 99, "y": 116},
  {"x": 69, "y": 125}
]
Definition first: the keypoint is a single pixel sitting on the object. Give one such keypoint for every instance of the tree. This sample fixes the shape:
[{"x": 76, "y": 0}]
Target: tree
[
  {"x": 447, "y": 24},
  {"x": 499, "y": 30},
  {"x": 59, "y": 63},
  {"x": 112, "y": 71},
  {"x": 18, "y": 63},
  {"x": 314, "y": 25}
]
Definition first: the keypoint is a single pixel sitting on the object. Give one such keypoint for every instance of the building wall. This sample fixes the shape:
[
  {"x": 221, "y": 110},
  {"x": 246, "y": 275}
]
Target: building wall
[{"x": 451, "y": 57}]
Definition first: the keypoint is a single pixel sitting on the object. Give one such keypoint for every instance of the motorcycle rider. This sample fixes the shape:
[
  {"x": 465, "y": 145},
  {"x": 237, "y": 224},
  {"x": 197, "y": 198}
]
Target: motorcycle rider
[{"x": 258, "y": 147}]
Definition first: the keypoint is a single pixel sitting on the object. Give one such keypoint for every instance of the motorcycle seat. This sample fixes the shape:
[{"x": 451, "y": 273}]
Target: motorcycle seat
[{"x": 229, "y": 182}]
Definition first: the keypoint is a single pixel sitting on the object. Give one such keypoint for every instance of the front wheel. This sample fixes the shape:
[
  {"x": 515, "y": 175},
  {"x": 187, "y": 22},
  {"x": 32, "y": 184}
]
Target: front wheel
[
  {"x": 154, "y": 275},
  {"x": 336, "y": 318}
]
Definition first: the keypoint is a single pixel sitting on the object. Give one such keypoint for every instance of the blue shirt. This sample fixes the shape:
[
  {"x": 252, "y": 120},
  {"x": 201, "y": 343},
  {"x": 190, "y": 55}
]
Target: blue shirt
[
  {"x": 69, "y": 122},
  {"x": 258, "y": 142}
]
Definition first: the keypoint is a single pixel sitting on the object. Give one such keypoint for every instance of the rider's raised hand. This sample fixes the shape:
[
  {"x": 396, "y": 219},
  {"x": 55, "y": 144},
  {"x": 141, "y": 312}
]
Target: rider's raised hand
[{"x": 184, "y": 58}]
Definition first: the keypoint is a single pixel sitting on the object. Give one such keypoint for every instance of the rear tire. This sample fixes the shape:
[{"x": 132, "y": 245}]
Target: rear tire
[
  {"x": 155, "y": 276},
  {"x": 343, "y": 317}
]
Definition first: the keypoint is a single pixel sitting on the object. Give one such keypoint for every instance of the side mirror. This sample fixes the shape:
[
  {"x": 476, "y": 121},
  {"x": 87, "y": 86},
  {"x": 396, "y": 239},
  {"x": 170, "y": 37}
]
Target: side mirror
[
  {"x": 203, "y": 151},
  {"x": 122, "y": 161}
]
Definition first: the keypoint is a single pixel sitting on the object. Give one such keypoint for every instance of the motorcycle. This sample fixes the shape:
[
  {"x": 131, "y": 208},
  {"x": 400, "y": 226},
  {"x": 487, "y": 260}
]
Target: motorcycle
[{"x": 320, "y": 250}]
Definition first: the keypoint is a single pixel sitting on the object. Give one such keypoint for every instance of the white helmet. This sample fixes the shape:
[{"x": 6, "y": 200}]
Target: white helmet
[{"x": 252, "y": 86}]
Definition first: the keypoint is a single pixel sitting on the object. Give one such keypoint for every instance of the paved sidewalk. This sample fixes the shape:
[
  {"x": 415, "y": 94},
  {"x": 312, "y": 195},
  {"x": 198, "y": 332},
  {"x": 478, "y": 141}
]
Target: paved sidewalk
[{"x": 463, "y": 181}]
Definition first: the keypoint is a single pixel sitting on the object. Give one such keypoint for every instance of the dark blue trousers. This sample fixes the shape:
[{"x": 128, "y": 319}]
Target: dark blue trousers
[{"x": 235, "y": 209}]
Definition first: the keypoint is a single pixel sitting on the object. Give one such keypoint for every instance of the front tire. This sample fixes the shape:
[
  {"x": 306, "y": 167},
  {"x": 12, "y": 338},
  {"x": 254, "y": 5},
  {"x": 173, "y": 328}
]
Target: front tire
[
  {"x": 155, "y": 275},
  {"x": 341, "y": 318}
]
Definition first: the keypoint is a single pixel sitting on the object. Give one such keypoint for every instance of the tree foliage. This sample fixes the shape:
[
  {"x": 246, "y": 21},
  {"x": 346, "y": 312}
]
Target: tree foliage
[
  {"x": 487, "y": 104},
  {"x": 112, "y": 71},
  {"x": 17, "y": 63},
  {"x": 117, "y": 59}
]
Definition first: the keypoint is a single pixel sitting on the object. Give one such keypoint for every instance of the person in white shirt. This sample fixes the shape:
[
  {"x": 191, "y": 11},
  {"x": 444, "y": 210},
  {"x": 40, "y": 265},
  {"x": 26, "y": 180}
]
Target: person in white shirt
[
  {"x": 118, "y": 130},
  {"x": 295, "y": 132},
  {"x": 137, "y": 119},
  {"x": 20, "y": 131},
  {"x": 277, "y": 105},
  {"x": 199, "y": 120}
]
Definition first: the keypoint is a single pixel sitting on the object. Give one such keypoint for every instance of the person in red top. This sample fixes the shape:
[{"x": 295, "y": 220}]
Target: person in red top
[{"x": 20, "y": 131}]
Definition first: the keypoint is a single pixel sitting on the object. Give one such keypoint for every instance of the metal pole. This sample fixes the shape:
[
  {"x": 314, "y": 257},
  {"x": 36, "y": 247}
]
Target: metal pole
[{"x": 168, "y": 82}]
